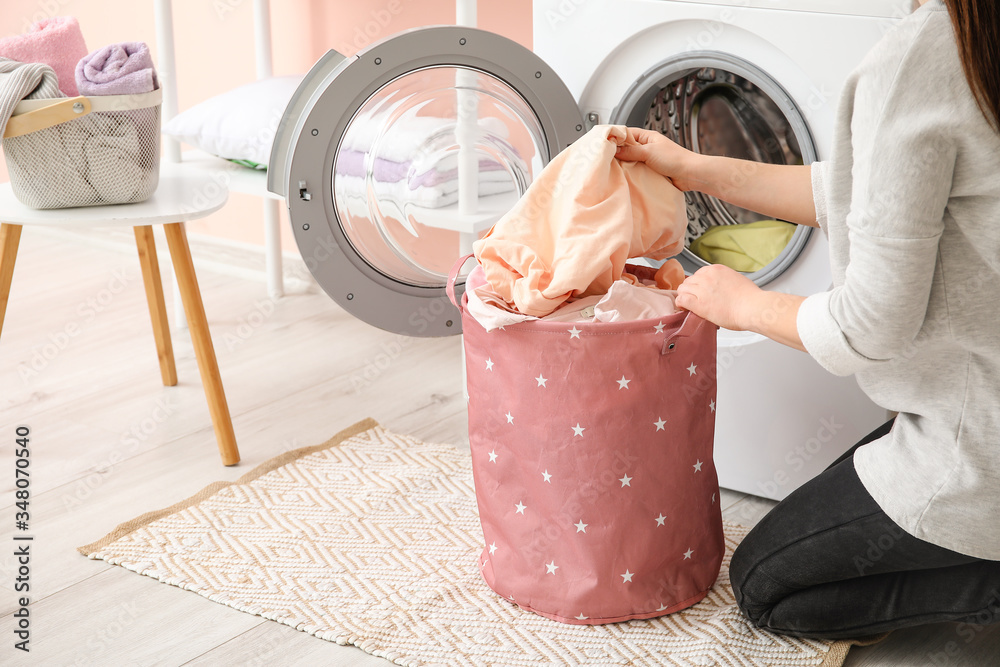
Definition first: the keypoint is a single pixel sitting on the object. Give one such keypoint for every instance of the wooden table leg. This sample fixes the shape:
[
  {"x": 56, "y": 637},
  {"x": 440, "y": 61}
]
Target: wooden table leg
[
  {"x": 180, "y": 255},
  {"x": 146, "y": 244},
  {"x": 10, "y": 236}
]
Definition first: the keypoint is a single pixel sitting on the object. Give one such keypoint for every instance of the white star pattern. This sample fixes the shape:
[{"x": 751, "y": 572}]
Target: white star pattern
[
  {"x": 662, "y": 607},
  {"x": 581, "y": 617},
  {"x": 579, "y": 430}
]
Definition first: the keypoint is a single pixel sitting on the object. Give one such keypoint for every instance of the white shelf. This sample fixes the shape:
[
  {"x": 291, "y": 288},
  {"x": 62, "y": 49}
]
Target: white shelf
[{"x": 235, "y": 177}]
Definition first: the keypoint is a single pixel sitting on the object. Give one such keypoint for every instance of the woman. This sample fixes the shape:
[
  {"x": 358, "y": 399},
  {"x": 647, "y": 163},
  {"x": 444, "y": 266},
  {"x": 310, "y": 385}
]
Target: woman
[{"x": 905, "y": 529}]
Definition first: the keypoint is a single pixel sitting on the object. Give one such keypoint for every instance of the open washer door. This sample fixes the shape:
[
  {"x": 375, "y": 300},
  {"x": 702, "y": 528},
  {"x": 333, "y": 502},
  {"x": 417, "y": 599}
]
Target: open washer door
[{"x": 394, "y": 161}]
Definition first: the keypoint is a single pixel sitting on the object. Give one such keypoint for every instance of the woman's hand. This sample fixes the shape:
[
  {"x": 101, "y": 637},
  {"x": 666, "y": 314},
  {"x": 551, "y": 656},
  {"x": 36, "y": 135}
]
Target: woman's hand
[
  {"x": 659, "y": 153},
  {"x": 720, "y": 295},
  {"x": 779, "y": 191},
  {"x": 732, "y": 301}
]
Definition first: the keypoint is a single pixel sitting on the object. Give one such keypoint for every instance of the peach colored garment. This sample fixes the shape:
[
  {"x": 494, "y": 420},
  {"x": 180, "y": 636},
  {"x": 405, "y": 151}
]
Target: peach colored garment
[
  {"x": 628, "y": 303},
  {"x": 633, "y": 298},
  {"x": 571, "y": 232}
]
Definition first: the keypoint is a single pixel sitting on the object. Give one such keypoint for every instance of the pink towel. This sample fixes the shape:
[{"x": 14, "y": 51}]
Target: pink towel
[
  {"x": 117, "y": 69},
  {"x": 57, "y": 42}
]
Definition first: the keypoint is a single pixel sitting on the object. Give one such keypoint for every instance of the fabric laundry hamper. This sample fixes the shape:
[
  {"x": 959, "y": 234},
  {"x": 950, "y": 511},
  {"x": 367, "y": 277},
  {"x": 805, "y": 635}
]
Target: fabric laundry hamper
[
  {"x": 592, "y": 460},
  {"x": 84, "y": 151}
]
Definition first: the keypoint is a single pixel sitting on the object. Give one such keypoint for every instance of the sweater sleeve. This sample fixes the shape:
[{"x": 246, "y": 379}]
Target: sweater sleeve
[
  {"x": 904, "y": 160},
  {"x": 818, "y": 174}
]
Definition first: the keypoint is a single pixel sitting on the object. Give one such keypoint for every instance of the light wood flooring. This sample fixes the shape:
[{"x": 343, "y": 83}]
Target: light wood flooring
[{"x": 109, "y": 442}]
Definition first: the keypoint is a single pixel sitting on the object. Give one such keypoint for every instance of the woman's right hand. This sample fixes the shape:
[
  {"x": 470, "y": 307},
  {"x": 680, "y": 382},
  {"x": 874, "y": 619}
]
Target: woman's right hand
[
  {"x": 660, "y": 154},
  {"x": 780, "y": 191}
]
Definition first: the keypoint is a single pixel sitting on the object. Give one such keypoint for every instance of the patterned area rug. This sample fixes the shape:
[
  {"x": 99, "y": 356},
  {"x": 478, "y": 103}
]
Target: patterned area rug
[{"x": 372, "y": 539}]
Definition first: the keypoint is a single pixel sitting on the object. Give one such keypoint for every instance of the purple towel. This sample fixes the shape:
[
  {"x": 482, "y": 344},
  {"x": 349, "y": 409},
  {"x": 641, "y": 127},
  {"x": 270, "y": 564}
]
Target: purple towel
[{"x": 117, "y": 69}]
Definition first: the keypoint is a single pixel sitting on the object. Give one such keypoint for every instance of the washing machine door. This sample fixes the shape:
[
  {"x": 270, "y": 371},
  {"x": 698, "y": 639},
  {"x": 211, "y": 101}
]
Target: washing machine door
[
  {"x": 392, "y": 162},
  {"x": 716, "y": 103}
]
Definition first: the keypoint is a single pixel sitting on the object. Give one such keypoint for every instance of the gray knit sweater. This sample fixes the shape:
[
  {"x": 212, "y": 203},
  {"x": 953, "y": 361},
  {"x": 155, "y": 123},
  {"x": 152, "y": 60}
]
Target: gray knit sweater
[{"x": 910, "y": 200}]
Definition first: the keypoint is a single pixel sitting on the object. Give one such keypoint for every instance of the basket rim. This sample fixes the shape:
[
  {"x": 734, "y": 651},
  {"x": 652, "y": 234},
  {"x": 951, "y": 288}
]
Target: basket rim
[{"x": 98, "y": 102}]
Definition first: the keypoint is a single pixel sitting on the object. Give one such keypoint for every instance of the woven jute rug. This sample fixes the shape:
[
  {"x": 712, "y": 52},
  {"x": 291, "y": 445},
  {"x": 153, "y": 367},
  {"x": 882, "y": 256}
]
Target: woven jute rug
[{"x": 372, "y": 539}]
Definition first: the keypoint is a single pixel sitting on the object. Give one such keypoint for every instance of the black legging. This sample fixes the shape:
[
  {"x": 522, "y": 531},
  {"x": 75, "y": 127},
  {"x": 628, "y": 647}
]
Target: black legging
[{"x": 827, "y": 562}]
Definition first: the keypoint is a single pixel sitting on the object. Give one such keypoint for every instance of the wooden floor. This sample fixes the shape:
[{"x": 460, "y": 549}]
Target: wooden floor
[{"x": 109, "y": 442}]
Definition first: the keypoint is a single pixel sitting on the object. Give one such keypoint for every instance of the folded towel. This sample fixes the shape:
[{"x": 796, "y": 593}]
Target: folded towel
[
  {"x": 398, "y": 136},
  {"x": 56, "y": 42},
  {"x": 37, "y": 159},
  {"x": 117, "y": 69},
  {"x": 19, "y": 81}
]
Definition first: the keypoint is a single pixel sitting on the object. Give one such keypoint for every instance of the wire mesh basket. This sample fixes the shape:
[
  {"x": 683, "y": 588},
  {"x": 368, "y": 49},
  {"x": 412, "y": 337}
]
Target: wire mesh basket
[{"x": 84, "y": 151}]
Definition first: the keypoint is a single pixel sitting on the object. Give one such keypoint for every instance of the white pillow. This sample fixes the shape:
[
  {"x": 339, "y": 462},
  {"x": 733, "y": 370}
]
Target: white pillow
[{"x": 239, "y": 124}]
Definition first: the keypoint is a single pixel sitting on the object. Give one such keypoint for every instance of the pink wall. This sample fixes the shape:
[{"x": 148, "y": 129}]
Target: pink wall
[{"x": 214, "y": 41}]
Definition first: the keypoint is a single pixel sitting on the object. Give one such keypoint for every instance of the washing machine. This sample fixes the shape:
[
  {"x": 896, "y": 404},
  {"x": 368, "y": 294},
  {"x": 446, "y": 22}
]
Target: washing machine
[{"x": 393, "y": 161}]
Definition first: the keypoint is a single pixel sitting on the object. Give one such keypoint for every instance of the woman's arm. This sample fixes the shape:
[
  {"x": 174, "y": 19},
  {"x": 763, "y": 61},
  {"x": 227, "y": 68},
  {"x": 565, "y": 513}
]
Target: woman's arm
[
  {"x": 780, "y": 191},
  {"x": 732, "y": 301}
]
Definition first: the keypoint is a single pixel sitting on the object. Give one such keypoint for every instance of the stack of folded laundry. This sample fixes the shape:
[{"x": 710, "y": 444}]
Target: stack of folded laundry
[
  {"x": 560, "y": 254},
  {"x": 402, "y": 167},
  {"x": 106, "y": 156}
]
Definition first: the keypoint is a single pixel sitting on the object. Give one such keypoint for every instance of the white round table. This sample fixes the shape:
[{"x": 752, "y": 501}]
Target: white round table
[{"x": 180, "y": 197}]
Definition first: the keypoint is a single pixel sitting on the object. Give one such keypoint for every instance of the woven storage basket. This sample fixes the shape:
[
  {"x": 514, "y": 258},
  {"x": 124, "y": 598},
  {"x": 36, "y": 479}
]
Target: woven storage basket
[
  {"x": 84, "y": 151},
  {"x": 592, "y": 460}
]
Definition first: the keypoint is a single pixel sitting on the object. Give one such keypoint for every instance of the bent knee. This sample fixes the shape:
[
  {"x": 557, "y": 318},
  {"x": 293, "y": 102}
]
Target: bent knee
[{"x": 756, "y": 593}]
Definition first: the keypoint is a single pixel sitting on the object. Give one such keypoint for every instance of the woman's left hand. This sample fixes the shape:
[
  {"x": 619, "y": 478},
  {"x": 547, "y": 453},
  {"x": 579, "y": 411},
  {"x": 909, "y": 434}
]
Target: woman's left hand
[{"x": 720, "y": 295}]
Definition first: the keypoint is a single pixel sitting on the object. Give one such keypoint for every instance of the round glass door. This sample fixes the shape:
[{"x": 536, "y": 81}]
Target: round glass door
[
  {"x": 715, "y": 104},
  {"x": 403, "y": 155},
  {"x": 428, "y": 164}
]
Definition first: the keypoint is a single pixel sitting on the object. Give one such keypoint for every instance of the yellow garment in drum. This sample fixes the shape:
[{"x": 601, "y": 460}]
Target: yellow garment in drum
[{"x": 747, "y": 248}]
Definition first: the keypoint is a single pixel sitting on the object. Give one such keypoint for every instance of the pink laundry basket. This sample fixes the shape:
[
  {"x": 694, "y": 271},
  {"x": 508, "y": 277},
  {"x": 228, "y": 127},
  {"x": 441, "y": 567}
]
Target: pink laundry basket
[{"x": 592, "y": 461}]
